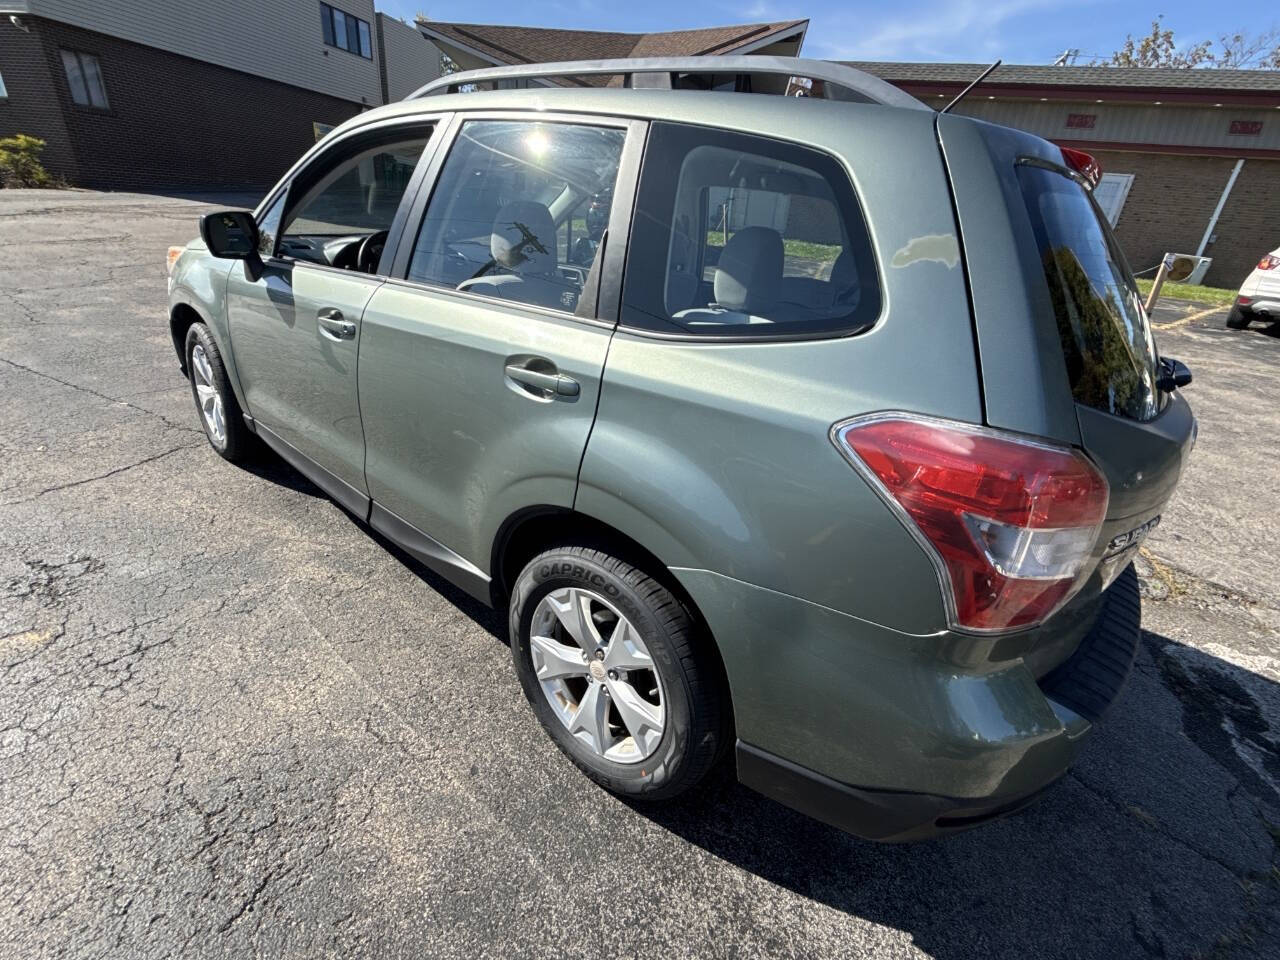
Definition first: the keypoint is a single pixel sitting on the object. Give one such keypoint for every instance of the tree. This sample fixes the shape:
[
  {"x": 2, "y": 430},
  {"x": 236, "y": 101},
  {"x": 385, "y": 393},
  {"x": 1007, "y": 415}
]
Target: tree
[
  {"x": 1159, "y": 48},
  {"x": 1243, "y": 52}
]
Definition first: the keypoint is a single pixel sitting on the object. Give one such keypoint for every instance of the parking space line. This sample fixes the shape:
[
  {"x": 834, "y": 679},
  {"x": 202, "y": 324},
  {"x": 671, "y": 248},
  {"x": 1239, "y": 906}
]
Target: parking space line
[{"x": 1199, "y": 315}]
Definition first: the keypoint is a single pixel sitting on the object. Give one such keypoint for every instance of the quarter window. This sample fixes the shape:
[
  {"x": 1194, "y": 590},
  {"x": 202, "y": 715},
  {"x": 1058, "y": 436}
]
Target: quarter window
[
  {"x": 741, "y": 236},
  {"x": 519, "y": 211},
  {"x": 345, "y": 32},
  {"x": 84, "y": 77}
]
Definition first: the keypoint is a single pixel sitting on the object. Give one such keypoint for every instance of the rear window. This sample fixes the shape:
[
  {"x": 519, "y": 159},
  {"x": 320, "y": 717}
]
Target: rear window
[
  {"x": 741, "y": 236},
  {"x": 1106, "y": 341}
]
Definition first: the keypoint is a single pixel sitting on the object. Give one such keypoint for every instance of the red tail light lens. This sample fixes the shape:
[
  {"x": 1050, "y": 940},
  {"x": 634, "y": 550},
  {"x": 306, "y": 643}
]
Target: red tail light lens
[
  {"x": 1269, "y": 262},
  {"x": 1084, "y": 164},
  {"x": 1010, "y": 524}
]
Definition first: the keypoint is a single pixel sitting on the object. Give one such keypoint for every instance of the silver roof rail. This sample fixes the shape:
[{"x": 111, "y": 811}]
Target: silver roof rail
[{"x": 654, "y": 73}]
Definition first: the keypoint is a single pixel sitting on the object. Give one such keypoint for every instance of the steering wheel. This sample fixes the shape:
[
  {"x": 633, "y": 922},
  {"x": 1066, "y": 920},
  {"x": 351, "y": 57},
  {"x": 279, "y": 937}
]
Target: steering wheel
[{"x": 370, "y": 251}]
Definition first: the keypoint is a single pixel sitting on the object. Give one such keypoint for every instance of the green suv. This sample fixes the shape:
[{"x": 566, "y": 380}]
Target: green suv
[{"x": 822, "y": 429}]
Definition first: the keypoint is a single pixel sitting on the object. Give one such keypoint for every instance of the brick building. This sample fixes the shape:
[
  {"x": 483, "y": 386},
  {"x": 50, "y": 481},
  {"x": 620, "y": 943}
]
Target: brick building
[
  {"x": 476, "y": 45},
  {"x": 1175, "y": 146},
  {"x": 155, "y": 94}
]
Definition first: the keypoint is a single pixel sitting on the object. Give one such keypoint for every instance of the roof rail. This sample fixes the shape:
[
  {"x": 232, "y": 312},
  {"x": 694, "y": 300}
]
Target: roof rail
[{"x": 655, "y": 73}]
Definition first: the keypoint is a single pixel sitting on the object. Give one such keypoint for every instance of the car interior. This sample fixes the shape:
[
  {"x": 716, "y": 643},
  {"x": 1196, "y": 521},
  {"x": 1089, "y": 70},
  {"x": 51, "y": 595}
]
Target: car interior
[
  {"x": 772, "y": 247},
  {"x": 342, "y": 219},
  {"x": 520, "y": 212}
]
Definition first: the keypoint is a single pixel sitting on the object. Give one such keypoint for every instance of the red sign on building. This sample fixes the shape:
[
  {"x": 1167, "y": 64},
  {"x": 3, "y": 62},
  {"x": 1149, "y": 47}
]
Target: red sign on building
[
  {"x": 1081, "y": 121},
  {"x": 1246, "y": 128}
]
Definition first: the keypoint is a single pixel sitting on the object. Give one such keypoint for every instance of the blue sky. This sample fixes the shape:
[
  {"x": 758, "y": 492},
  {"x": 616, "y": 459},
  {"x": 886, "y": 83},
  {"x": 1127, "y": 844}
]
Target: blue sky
[{"x": 1019, "y": 31}]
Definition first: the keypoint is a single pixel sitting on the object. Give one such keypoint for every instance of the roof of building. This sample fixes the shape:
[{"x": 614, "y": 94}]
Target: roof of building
[
  {"x": 515, "y": 45},
  {"x": 1200, "y": 80}
]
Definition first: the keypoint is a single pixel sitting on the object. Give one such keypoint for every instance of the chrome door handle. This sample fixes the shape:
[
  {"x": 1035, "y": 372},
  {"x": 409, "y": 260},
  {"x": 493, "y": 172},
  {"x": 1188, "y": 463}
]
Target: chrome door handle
[
  {"x": 330, "y": 324},
  {"x": 550, "y": 382}
]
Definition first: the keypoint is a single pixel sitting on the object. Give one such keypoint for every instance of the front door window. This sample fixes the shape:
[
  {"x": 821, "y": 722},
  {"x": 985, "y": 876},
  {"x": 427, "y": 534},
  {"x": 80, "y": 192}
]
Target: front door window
[
  {"x": 519, "y": 211},
  {"x": 342, "y": 213}
]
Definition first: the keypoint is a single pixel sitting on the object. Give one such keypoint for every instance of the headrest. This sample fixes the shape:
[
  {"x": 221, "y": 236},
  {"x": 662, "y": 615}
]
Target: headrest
[
  {"x": 749, "y": 273},
  {"x": 524, "y": 238}
]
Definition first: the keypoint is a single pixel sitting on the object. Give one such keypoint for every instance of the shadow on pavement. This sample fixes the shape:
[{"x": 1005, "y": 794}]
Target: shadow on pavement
[{"x": 1157, "y": 843}]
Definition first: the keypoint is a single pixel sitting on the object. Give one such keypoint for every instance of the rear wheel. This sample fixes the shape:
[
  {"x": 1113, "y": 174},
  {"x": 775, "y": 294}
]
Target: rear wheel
[
  {"x": 215, "y": 401},
  {"x": 612, "y": 664},
  {"x": 1237, "y": 319}
]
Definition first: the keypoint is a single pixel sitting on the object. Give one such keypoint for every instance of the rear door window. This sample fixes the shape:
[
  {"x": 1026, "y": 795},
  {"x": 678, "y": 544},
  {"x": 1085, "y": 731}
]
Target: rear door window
[
  {"x": 741, "y": 236},
  {"x": 1106, "y": 339}
]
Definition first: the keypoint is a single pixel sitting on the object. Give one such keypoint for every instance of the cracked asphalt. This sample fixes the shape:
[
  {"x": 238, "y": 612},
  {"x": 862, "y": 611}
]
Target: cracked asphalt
[{"x": 234, "y": 722}]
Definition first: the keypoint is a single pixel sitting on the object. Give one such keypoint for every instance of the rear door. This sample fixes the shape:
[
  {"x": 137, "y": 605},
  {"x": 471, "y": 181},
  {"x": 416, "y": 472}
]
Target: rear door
[
  {"x": 1066, "y": 348},
  {"x": 481, "y": 358},
  {"x": 1135, "y": 431}
]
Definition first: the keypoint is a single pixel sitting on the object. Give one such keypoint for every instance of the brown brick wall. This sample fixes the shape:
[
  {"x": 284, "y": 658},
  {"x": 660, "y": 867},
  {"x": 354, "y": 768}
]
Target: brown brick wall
[
  {"x": 29, "y": 107},
  {"x": 1173, "y": 197},
  {"x": 173, "y": 122},
  {"x": 1249, "y": 225}
]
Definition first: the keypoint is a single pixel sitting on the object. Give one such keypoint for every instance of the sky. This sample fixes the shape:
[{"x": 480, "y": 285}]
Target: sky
[{"x": 1018, "y": 31}]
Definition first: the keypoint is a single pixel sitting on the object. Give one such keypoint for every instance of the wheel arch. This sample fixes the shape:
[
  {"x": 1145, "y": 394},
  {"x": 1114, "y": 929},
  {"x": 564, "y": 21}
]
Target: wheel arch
[{"x": 182, "y": 316}]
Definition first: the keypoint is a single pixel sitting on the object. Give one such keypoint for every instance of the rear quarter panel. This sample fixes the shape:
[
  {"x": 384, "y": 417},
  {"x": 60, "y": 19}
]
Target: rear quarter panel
[
  {"x": 717, "y": 456},
  {"x": 1025, "y": 385}
]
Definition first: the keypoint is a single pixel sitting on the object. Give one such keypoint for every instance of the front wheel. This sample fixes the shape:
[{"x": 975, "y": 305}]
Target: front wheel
[
  {"x": 617, "y": 672},
  {"x": 215, "y": 400}
]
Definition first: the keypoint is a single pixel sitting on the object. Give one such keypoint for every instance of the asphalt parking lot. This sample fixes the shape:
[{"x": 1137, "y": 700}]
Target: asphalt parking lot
[{"x": 234, "y": 722}]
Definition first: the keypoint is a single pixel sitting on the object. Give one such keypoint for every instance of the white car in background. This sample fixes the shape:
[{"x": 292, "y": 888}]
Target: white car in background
[{"x": 1259, "y": 296}]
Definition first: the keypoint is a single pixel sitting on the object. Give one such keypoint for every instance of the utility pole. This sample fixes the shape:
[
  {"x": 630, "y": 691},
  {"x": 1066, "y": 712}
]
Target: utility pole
[{"x": 1066, "y": 58}]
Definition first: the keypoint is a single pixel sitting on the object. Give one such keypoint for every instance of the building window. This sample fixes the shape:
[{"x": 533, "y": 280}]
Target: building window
[
  {"x": 1110, "y": 194},
  {"x": 4, "y": 94},
  {"x": 84, "y": 77},
  {"x": 345, "y": 32}
]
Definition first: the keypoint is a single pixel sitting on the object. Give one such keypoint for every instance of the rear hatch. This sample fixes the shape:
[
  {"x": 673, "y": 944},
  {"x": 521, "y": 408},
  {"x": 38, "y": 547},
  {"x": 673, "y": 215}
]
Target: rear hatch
[{"x": 1084, "y": 367}]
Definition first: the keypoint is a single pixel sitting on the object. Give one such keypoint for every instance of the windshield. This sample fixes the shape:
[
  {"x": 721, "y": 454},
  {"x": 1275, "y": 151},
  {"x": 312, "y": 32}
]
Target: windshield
[{"x": 1106, "y": 340}]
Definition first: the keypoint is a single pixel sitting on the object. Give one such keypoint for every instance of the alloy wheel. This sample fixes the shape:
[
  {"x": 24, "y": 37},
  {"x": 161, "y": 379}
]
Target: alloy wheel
[
  {"x": 207, "y": 395},
  {"x": 597, "y": 674}
]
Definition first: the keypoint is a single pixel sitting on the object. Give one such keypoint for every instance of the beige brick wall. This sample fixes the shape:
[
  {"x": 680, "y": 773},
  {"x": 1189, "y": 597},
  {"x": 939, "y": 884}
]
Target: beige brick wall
[{"x": 1172, "y": 198}]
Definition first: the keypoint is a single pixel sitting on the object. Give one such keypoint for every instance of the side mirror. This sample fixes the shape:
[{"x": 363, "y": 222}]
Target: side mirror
[
  {"x": 1173, "y": 374},
  {"x": 233, "y": 235}
]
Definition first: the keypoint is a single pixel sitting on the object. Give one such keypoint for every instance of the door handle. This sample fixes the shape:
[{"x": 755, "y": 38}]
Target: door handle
[
  {"x": 548, "y": 380},
  {"x": 330, "y": 324}
]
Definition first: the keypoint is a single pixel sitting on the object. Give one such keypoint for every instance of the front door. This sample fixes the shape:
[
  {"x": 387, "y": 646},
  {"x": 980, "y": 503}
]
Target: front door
[
  {"x": 481, "y": 366},
  {"x": 296, "y": 329}
]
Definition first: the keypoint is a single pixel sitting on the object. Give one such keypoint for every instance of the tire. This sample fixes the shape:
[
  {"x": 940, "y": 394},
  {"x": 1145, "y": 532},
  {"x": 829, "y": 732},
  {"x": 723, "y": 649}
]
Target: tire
[
  {"x": 695, "y": 726},
  {"x": 1237, "y": 319},
  {"x": 233, "y": 442}
]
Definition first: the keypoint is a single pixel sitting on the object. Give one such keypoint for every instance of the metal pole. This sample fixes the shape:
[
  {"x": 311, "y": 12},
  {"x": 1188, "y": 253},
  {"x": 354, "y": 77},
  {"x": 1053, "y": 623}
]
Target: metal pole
[
  {"x": 1217, "y": 211},
  {"x": 1156, "y": 284}
]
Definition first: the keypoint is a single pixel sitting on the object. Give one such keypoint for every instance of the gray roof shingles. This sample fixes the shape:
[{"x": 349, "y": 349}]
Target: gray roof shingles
[{"x": 1042, "y": 76}]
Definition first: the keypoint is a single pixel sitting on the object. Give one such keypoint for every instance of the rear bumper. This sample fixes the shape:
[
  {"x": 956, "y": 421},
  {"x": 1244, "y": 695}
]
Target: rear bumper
[
  {"x": 1262, "y": 306},
  {"x": 1018, "y": 764}
]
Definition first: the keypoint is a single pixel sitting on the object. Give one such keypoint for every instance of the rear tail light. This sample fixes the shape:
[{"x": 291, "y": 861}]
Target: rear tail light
[
  {"x": 1244, "y": 301},
  {"x": 1084, "y": 164},
  {"x": 1010, "y": 524},
  {"x": 1269, "y": 262}
]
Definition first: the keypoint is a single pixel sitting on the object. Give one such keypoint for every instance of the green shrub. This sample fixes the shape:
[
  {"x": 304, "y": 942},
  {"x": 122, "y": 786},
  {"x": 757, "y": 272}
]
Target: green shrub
[{"x": 20, "y": 163}]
